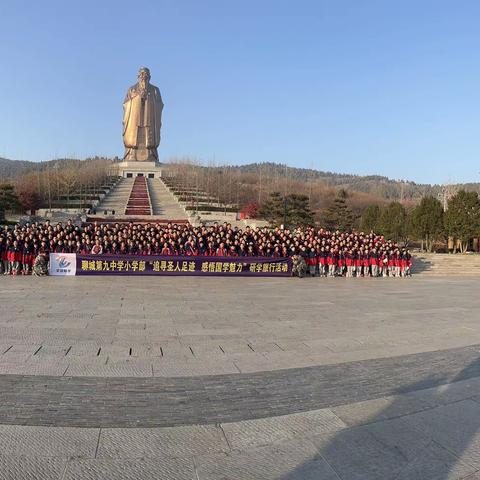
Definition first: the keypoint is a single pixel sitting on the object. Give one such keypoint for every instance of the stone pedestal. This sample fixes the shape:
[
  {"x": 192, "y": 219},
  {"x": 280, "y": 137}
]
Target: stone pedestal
[{"x": 142, "y": 169}]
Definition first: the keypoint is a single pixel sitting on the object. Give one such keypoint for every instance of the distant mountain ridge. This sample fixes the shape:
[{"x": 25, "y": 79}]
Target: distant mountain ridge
[
  {"x": 13, "y": 168},
  {"x": 377, "y": 185}
]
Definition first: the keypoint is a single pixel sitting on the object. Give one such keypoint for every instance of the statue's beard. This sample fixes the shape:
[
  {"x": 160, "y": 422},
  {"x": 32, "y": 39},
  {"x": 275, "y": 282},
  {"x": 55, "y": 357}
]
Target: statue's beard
[{"x": 142, "y": 88}]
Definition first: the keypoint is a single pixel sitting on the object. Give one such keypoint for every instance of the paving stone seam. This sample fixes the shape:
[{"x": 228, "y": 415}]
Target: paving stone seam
[
  {"x": 98, "y": 442},
  {"x": 220, "y": 425}
]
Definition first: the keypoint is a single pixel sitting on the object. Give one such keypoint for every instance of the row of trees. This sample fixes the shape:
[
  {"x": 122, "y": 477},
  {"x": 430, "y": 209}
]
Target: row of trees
[
  {"x": 243, "y": 187},
  {"x": 427, "y": 222},
  {"x": 267, "y": 177},
  {"x": 63, "y": 179},
  {"x": 269, "y": 192}
]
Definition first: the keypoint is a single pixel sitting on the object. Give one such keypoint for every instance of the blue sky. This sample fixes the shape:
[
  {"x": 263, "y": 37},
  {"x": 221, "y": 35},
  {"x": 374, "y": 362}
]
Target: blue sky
[{"x": 366, "y": 87}]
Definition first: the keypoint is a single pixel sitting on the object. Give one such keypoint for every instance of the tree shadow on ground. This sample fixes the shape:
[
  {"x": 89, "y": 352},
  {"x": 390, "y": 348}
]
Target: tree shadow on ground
[
  {"x": 420, "y": 435},
  {"x": 421, "y": 265}
]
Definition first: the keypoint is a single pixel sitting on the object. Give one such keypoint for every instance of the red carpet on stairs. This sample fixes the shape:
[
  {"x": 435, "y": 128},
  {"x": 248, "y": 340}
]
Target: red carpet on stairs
[{"x": 139, "y": 203}]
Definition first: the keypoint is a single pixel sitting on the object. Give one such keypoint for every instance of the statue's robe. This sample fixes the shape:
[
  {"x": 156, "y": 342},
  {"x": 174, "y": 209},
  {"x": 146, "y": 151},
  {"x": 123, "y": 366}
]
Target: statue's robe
[{"x": 142, "y": 119}]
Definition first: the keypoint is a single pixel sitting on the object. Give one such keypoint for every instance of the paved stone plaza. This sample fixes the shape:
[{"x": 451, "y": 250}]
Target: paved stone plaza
[{"x": 214, "y": 378}]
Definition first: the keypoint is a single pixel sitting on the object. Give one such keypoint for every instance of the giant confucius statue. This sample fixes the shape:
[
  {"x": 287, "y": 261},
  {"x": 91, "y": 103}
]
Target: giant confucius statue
[{"x": 142, "y": 120}]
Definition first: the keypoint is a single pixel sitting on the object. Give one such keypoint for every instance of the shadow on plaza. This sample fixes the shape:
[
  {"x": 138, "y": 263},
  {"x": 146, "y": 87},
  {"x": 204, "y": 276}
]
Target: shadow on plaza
[
  {"x": 421, "y": 435},
  {"x": 421, "y": 265}
]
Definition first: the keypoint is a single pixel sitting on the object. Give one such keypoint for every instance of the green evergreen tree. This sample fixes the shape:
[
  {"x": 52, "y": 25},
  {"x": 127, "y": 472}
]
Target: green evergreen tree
[
  {"x": 273, "y": 210},
  {"x": 393, "y": 222},
  {"x": 370, "y": 218},
  {"x": 339, "y": 215},
  {"x": 462, "y": 218},
  {"x": 298, "y": 211},
  {"x": 427, "y": 221},
  {"x": 8, "y": 199},
  {"x": 290, "y": 211}
]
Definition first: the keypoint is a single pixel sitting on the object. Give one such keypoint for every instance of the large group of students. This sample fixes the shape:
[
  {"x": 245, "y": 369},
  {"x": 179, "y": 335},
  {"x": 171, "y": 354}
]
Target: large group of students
[{"x": 315, "y": 251}]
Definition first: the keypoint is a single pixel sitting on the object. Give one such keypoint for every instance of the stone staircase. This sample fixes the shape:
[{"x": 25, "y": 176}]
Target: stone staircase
[
  {"x": 117, "y": 199},
  {"x": 164, "y": 204},
  {"x": 445, "y": 265},
  {"x": 139, "y": 201}
]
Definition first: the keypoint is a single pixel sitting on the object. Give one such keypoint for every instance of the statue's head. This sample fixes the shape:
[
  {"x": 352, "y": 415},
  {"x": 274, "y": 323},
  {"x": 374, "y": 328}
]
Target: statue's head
[{"x": 144, "y": 75}]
